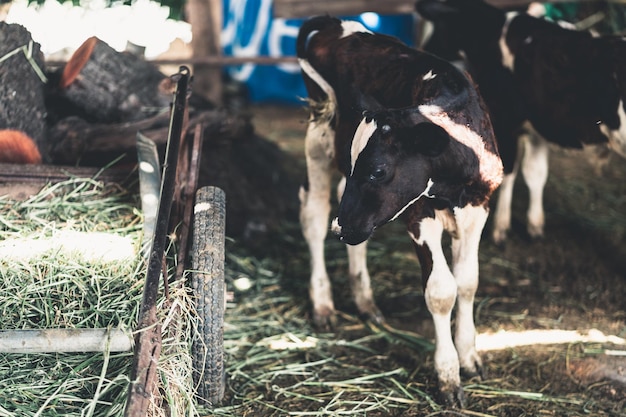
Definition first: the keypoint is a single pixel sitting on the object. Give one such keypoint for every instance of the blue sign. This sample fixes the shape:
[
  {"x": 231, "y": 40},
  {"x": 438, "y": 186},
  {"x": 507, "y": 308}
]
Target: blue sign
[{"x": 251, "y": 30}]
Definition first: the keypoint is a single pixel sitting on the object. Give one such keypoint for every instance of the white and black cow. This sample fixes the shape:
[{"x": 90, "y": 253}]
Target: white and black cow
[
  {"x": 412, "y": 139},
  {"x": 540, "y": 82}
]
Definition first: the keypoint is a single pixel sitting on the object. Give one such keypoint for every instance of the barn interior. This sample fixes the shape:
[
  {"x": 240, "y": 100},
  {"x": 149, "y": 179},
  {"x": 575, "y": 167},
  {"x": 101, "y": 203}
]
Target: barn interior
[{"x": 550, "y": 313}]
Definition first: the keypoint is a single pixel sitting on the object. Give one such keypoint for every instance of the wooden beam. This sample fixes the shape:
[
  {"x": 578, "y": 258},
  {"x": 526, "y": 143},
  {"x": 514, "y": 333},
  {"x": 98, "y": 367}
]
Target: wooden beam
[
  {"x": 306, "y": 8},
  {"x": 64, "y": 341},
  {"x": 49, "y": 174},
  {"x": 210, "y": 61},
  {"x": 20, "y": 182}
]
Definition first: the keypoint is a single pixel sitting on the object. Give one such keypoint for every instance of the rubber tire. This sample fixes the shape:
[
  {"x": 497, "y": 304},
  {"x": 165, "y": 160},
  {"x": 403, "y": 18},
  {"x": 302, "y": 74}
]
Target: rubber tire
[{"x": 208, "y": 288}]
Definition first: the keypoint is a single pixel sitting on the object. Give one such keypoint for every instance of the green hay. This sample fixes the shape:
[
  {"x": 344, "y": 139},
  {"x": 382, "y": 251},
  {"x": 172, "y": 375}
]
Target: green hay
[
  {"x": 277, "y": 363},
  {"x": 58, "y": 290}
]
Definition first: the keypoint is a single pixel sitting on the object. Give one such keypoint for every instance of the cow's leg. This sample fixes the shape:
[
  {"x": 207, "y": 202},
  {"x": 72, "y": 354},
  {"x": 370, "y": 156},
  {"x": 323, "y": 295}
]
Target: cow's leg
[
  {"x": 440, "y": 294},
  {"x": 617, "y": 137},
  {"x": 598, "y": 155},
  {"x": 535, "y": 171},
  {"x": 470, "y": 221},
  {"x": 502, "y": 217},
  {"x": 359, "y": 275},
  {"x": 314, "y": 213},
  {"x": 360, "y": 283}
]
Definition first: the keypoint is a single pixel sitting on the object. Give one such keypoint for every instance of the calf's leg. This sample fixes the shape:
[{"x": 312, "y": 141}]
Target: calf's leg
[
  {"x": 502, "y": 217},
  {"x": 535, "y": 170},
  {"x": 314, "y": 214},
  {"x": 470, "y": 222},
  {"x": 440, "y": 290},
  {"x": 359, "y": 276},
  {"x": 360, "y": 283}
]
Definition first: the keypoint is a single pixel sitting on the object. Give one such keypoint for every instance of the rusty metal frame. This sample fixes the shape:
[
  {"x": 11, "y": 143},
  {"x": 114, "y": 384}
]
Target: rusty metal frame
[{"x": 148, "y": 339}]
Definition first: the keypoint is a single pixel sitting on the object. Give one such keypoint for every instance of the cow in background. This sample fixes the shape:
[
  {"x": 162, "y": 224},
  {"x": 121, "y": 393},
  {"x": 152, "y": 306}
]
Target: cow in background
[
  {"x": 541, "y": 82},
  {"x": 412, "y": 139}
]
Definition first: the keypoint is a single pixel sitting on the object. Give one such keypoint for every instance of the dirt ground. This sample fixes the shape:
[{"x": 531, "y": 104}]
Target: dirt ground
[{"x": 572, "y": 279}]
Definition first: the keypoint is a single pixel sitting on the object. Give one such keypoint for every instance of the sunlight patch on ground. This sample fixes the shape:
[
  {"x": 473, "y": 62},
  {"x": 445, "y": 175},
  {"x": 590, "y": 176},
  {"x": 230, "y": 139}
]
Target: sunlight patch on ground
[
  {"x": 509, "y": 339},
  {"x": 89, "y": 247}
]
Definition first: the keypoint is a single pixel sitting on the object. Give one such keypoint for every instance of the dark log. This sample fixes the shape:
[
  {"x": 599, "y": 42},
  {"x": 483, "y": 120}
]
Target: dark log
[
  {"x": 75, "y": 141},
  {"x": 102, "y": 85},
  {"x": 255, "y": 174},
  {"x": 22, "y": 105}
]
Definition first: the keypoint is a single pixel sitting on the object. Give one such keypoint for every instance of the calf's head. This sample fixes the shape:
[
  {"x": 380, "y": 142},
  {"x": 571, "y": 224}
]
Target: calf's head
[{"x": 392, "y": 157}]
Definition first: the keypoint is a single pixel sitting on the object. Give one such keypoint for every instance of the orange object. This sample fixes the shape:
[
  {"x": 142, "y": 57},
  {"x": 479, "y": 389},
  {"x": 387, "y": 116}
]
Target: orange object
[
  {"x": 77, "y": 62},
  {"x": 18, "y": 148}
]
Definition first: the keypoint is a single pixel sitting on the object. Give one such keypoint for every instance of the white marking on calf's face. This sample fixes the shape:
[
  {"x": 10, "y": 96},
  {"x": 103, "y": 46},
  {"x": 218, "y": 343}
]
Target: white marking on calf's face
[
  {"x": 422, "y": 194},
  {"x": 429, "y": 76},
  {"x": 363, "y": 133}
]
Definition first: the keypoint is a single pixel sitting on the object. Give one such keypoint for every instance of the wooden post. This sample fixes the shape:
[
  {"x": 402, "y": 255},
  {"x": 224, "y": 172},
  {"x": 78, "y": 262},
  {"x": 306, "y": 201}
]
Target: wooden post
[{"x": 205, "y": 17}]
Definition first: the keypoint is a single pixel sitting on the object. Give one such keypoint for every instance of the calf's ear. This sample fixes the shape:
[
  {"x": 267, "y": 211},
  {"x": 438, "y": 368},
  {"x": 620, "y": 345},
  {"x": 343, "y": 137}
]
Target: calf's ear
[
  {"x": 425, "y": 138},
  {"x": 365, "y": 102}
]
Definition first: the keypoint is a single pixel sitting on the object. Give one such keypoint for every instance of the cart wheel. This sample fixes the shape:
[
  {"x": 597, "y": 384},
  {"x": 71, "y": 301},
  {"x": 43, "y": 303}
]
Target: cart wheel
[{"x": 208, "y": 286}]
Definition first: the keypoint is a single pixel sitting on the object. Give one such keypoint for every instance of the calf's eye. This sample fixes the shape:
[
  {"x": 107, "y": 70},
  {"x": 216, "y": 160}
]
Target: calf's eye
[{"x": 378, "y": 174}]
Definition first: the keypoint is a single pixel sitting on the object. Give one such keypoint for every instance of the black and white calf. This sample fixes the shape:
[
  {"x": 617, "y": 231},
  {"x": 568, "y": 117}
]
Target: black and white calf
[
  {"x": 412, "y": 139},
  {"x": 539, "y": 81}
]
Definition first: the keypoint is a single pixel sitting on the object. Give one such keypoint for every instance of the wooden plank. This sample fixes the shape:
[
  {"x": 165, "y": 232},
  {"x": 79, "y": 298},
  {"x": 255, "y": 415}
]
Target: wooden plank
[
  {"x": 509, "y": 4},
  {"x": 44, "y": 174},
  {"x": 211, "y": 61},
  {"x": 20, "y": 182},
  {"x": 64, "y": 340},
  {"x": 306, "y": 8}
]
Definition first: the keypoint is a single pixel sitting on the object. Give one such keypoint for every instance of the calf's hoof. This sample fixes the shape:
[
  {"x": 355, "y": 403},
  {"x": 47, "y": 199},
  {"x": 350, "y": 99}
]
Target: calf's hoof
[
  {"x": 477, "y": 371},
  {"x": 535, "y": 232},
  {"x": 372, "y": 314},
  {"x": 324, "y": 319},
  {"x": 452, "y": 397},
  {"x": 499, "y": 238}
]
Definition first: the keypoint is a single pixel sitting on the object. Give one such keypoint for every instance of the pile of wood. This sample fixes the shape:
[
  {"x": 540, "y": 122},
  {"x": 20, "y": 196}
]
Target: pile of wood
[
  {"x": 97, "y": 88},
  {"x": 88, "y": 113}
]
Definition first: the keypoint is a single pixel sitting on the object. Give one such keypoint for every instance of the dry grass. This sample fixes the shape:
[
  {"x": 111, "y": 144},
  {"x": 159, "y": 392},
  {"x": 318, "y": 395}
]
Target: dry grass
[
  {"x": 278, "y": 365},
  {"x": 60, "y": 289}
]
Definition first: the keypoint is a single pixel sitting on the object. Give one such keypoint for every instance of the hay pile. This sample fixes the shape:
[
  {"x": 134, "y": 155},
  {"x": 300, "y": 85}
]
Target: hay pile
[
  {"x": 276, "y": 363},
  {"x": 56, "y": 286}
]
